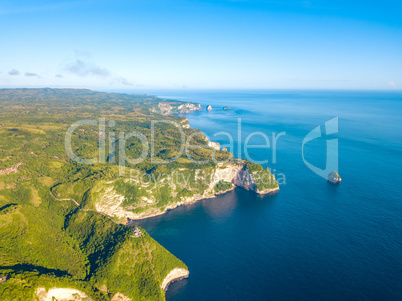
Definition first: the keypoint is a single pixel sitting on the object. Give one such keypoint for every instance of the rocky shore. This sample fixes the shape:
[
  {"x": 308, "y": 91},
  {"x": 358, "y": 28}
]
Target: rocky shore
[
  {"x": 174, "y": 275},
  {"x": 227, "y": 172},
  {"x": 110, "y": 203}
]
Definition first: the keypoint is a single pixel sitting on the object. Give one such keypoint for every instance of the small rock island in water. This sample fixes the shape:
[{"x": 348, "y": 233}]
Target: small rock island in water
[
  {"x": 226, "y": 108},
  {"x": 209, "y": 108},
  {"x": 334, "y": 177}
]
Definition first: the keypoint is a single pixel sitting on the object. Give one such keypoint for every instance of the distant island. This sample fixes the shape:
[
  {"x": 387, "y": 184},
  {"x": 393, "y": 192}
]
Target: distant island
[
  {"x": 226, "y": 108},
  {"x": 87, "y": 212}
]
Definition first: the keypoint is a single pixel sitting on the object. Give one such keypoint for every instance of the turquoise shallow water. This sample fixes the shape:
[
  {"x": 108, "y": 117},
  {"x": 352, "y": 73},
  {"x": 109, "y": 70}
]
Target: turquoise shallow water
[{"x": 313, "y": 240}]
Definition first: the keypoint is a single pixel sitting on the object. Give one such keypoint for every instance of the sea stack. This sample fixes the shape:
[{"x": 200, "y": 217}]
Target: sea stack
[
  {"x": 334, "y": 177},
  {"x": 209, "y": 108}
]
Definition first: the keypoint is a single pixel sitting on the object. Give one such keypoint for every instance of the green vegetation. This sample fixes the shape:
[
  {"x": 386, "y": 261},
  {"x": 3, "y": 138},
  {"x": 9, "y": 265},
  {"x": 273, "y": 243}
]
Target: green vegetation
[
  {"x": 47, "y": 241},
  {"x": 22, "y": 284},
  {"x": 50, "y": 232},
  {"x": 131, "y": 193},
  {"x": 223, "y": 186},
  {"x": 138, "y": 268},
  {"x": 263, "y": 178}
]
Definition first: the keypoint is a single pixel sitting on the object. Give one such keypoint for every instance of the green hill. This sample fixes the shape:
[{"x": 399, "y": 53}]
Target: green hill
[{"x": 52, "y": 232}]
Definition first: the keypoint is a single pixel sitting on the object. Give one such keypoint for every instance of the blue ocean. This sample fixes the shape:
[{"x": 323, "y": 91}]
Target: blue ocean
[{"x": 313, "y": 240}]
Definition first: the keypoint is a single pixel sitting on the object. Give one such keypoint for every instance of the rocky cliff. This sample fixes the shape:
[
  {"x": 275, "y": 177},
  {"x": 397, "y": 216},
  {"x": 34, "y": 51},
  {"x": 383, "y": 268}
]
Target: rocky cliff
[
  {"x": 56, "y": 293},
  {"x": 148, "y": 202},
  {"x": 168, "y": 108},
  {"x": 174, "y": 275}
]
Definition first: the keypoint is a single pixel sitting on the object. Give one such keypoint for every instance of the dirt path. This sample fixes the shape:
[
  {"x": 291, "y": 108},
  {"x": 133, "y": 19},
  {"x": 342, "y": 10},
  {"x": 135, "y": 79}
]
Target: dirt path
[{"x": 79, "y": 205}]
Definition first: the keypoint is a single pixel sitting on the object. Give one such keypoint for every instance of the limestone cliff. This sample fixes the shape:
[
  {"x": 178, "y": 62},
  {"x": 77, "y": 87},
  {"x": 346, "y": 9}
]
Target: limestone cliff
[
  {"x": 185, "y": 124},
  {"x": 265, "y": 184},
  {"x": 174, "y": 275},
  {"x": 147, "y": 203},
  {"x": 214, "y": 145},
  {"x": 61, "y": 294},
  {"x": 168, "y": 108},
  {"x": 134, "y": 198}
]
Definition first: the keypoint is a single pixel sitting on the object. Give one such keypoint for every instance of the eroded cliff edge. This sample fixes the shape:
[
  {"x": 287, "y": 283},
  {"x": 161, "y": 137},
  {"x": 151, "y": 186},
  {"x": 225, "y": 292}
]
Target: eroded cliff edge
[
  {"x": 134, "y": 199},
  {"x": 174, "y": 275}
]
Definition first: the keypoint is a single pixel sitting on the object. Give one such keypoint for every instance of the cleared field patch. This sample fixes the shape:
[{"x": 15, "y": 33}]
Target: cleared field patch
[
  {"x": 3, "y": 200},
  {"x": 51, "y": 127},
  {"x": 35, "y": 200},
  {"x": 47, "y": 181},
  {"x": 55, "y": 165}
]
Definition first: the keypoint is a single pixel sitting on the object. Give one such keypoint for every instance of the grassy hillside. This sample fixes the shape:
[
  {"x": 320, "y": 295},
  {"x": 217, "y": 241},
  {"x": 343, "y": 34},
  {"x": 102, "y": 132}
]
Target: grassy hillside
[
  {"x": 50, "y": 232},
  {"x": 119, "y": 262},
  {"x": 138, "y": 268},
  {"x": 47, "y": 241}
]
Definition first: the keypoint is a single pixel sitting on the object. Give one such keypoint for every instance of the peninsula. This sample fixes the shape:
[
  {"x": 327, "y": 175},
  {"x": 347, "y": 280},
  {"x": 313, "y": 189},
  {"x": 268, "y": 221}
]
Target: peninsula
[{"x": 51, "y": 199}]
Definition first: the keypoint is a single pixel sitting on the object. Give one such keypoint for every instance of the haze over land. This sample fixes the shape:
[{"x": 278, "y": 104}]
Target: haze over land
[
  {"x": 58, "y": 193},
  {"x": 125, "y": 129},
  {"x": 201, "y": 44}
]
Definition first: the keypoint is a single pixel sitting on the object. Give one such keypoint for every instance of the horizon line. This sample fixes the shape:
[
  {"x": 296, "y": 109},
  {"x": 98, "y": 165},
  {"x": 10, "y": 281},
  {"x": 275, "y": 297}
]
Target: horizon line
[{"x": 99, "y": 89}]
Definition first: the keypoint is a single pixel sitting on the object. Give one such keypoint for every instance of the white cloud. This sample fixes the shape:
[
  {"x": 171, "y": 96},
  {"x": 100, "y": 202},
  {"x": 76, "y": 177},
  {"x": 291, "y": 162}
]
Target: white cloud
[
  {"x": 83, "y": 66},
  {"x": 83, "y": 69},
  {"x": 31, "y": 74},
  {"x": 13, "y": 72},
  {"x": 123, "y": 81}
]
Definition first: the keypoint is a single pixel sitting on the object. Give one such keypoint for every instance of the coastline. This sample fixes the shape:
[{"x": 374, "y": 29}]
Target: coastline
[
  {"x": 142, "y": 216},
  {"x": 176, "y": 274},
  {"x": 194, "y": 200}
]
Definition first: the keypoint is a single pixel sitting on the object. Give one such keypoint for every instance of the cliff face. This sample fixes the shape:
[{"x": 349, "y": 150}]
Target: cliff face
[
  {"x": 214, "y": 145},
  {"x": 112, "y": 203},
  {"x": 188, "y": 107},
  {"x": 185, "y": 124},
  {"x": 61, "y": 294},
  {"x": 168, "y": 108},
  {"x": 174, "y": 275},
  {"x": 245, "y": 180},
  {"x": 153, "y": 193}
]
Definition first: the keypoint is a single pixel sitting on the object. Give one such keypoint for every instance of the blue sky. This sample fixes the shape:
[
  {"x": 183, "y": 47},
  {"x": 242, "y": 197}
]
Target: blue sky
[{"x": 149, "y": 44}]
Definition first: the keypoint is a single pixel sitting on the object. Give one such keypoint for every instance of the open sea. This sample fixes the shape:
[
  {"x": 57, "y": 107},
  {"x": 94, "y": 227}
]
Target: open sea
[{"x": 313, "y": 240}]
